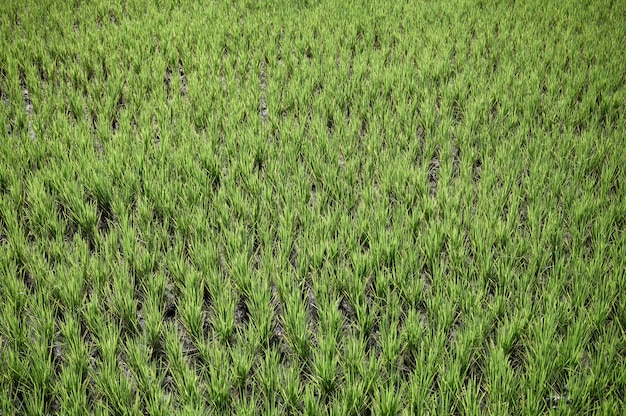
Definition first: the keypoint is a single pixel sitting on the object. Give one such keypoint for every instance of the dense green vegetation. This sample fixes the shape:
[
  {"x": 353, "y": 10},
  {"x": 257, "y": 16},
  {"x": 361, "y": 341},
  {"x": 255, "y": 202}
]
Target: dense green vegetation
[{"x": 303, "y": 207}]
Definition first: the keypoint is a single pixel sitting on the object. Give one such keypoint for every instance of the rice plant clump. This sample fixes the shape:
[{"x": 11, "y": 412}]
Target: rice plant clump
[{"x": 312, "y": 207}]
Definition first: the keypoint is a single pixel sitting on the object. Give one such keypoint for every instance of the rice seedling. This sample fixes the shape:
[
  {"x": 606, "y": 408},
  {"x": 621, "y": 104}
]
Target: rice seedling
[{"x": 312, "y": 207}]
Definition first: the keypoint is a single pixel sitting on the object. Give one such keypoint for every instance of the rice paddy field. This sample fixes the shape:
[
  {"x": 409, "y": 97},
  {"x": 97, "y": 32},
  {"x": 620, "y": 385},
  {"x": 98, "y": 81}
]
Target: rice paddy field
[{"x": 313, "y": 207}]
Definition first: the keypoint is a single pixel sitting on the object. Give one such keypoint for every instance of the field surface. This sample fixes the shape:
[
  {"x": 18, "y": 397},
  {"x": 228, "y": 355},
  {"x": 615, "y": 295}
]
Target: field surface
[{"x": 305, "y": 207}]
